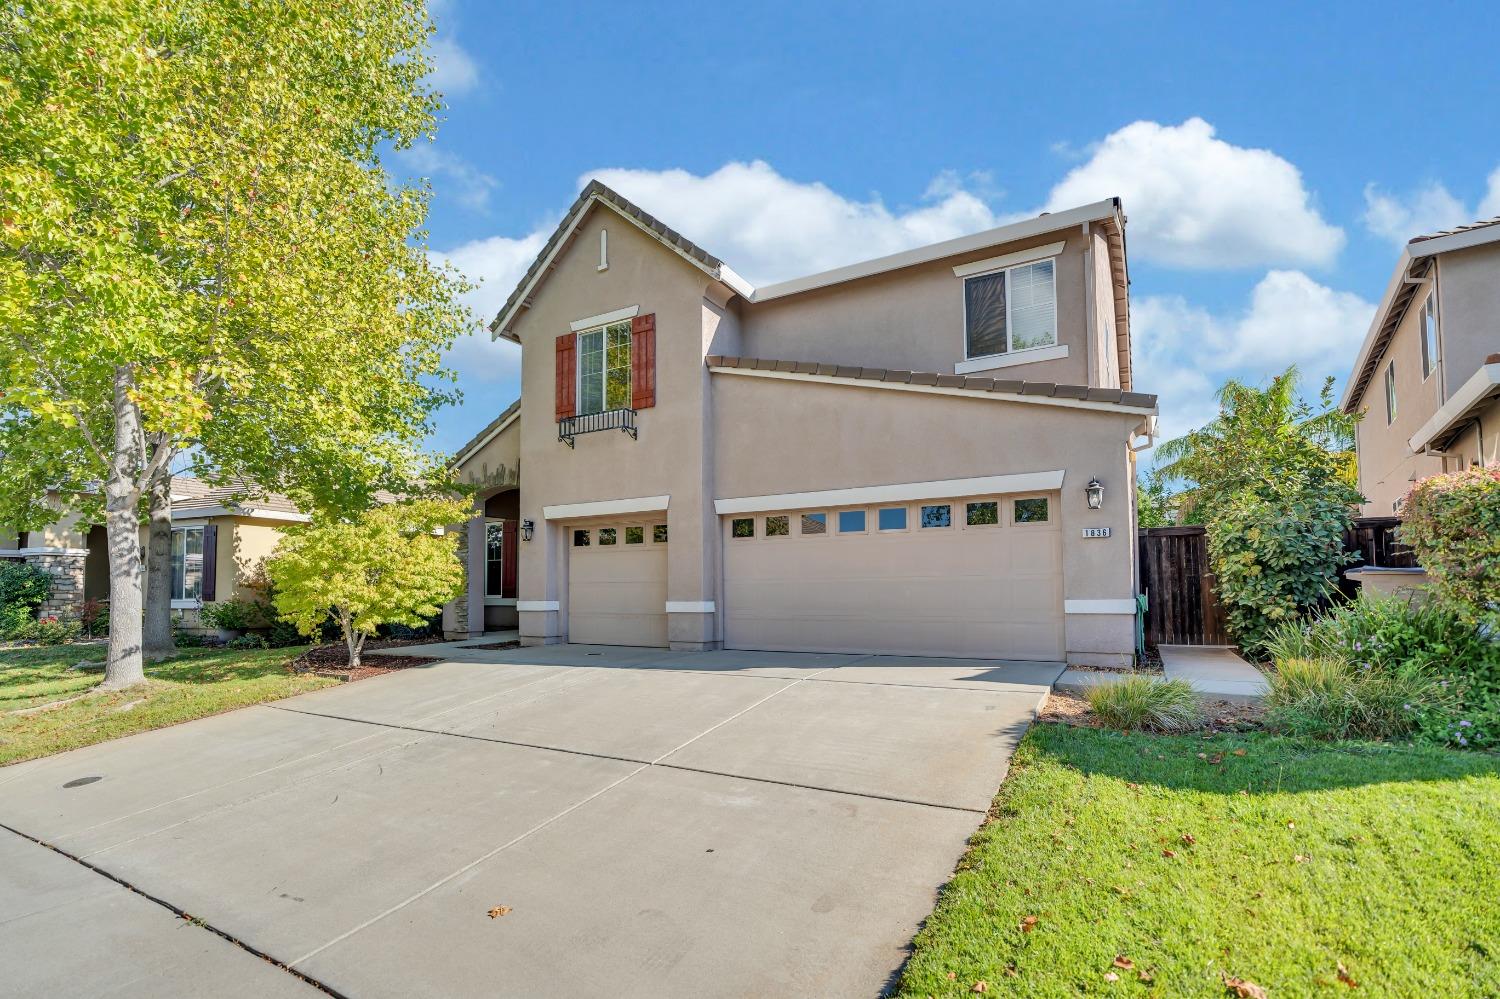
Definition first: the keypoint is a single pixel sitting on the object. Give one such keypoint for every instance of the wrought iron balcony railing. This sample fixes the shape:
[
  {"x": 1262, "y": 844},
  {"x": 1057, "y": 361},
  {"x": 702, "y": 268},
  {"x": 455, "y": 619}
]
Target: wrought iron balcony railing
[{"x": 588, "y": 423}]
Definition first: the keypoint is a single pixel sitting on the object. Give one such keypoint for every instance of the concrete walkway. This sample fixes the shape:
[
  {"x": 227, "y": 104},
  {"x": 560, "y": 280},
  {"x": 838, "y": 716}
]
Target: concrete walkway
[
  {"x": 641, "y": 822},
  {"x": 1214, "y": 671}
]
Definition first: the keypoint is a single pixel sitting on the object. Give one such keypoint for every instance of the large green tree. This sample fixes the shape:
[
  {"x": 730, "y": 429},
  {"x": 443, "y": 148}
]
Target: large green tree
[{"x": 201, "y": 254}]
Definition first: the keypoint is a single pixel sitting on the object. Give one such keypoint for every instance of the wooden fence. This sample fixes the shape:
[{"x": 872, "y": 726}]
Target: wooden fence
[{"x": 1182, "y": 608}]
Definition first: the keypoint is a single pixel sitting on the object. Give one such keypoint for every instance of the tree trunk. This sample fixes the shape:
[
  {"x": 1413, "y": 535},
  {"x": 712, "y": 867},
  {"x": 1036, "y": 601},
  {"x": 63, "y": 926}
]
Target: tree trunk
[
  {"x": 158, "y": 630},
  {"x": 122, "y": 502},
  {"x": 353, "y": 639}
]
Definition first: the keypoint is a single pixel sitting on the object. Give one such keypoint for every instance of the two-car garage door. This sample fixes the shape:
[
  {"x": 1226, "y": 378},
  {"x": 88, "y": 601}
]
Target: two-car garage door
[{"x": 970, "y": 576}]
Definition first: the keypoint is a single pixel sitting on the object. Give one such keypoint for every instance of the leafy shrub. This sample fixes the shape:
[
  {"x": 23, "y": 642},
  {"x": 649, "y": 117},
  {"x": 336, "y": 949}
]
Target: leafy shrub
[
  {"x": 238, "y": 614},
  {"x": 1452, "y": 523},
  {"x": 190, "y": 639},
  {"x": 94, "y": 617},
  {"x": 1277, "y": 552},
  {"x": 1333, "y": 699},
  {"x": 23, "y": 588},
  {"x": 1391, "y": 637},
  {"x": 1138, "y": 702},
  {"x": 250, "y": 641},
  {"x": 49, "y": 630},
  {"x": 282, "y": 634}
]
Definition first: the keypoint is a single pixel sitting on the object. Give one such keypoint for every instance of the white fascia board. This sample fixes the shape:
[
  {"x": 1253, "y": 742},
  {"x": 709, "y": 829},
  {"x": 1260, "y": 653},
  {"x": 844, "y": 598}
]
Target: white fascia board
[
  {"x": 1454, "y": 241},
  {"x": 22, "y": 552},
  {"x": 996, "y": 361},
  {"x": 479, "y": 445},
  {"x": 1040, "y": 400},
  {"x": 537, "y": 605},
  {"x": 605, "y": 508},
  {"x": 605, "y": 318},
  {"x": 1009, "y": 259},
  {"x": 690, "y": 606},
  {"x": 1394, "y": 285},
  {"x": 902, "y": 492},
  {"x": 1469, "y": 394},
  {"x": 202, "y": 513},
  {"x": 741, "y": 287},
  {"x": 1024, "y": 229},
  {"x": 1123, "y": 606}
]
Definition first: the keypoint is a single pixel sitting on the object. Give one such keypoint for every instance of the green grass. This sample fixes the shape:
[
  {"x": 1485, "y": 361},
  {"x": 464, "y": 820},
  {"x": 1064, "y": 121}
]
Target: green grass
[
  {"x": 1302, "y": 856},
  {"x": 195, "y": 683}
]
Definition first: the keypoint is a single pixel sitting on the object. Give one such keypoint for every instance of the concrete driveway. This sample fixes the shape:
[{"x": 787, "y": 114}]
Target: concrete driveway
[{"x": 658, "y": 823}]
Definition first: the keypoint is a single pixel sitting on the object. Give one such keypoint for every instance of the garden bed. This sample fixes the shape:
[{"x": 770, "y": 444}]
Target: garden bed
[{"x": 333, "y": 659}]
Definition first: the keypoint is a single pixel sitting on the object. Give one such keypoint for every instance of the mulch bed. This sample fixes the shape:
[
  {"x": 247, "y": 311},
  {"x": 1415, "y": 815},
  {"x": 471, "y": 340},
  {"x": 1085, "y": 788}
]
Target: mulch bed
[
  {"x": 1219, "y": 716},
  {"x": 333, "y": 659}
]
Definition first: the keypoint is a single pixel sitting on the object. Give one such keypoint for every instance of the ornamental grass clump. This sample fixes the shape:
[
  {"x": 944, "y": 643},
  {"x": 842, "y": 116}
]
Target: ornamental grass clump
[
  {"x": 1139, "y": 702},
  {"x": 1332, "y": 699}
]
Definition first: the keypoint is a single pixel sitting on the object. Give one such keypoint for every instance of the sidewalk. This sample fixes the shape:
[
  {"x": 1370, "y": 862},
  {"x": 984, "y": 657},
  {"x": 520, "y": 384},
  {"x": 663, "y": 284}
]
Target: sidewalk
[{"x": 1214, "y": 671}]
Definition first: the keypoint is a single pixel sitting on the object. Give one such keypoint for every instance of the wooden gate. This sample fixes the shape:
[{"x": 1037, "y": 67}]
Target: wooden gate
[{"x": 1181, "y": 608}]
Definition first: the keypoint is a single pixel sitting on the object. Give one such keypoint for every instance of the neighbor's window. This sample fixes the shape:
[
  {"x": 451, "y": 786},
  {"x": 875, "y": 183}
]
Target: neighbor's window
[
  {"x": 814, "y": 523},
  {"x": 891, "y": 518},
  {"x": 659, "y": 534},
  {"x": 940, "y": 515},
  {"x": 1031, "y": 511},
  {"x": 604, "y": 369},
  {"x": 983, "y": 513},
  {"x": 778, "y": 527},
  {"x": 187, "y": 563},
  {"x": 743, "y": 527},
  {"x": 1390, "y": 393},
  {"x": 494, "y": 550},
  {"x": 580, "y": 539},
  {"x": 1429, "y": 336},
  {"x": 851, "y": 521},
  {"x": 1009, "y": 310},
  {"x": 635, "y": 535},
  {"x": 607, "y": 536}
]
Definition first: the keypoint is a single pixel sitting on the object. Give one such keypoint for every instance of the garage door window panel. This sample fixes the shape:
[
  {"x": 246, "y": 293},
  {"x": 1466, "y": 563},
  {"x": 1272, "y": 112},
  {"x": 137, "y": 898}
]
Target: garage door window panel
[
  {"x": 659, "y": 534},
  {"x": 608, "y": 536},
  {"x": 779, "y": 526},
  {"x": 1030, "y": 510},
  {"x": 814, "y": 525},
  {"x": 635, "y": 535},
  {"x": 890, "y": 519},
  {"x": 937, "y": 515},
  {"x": 851, "y": 521},
  {"x": 742, "y": 528},
  {"x": 982, "y": 513},
  {"x": 580, "y": 538}
]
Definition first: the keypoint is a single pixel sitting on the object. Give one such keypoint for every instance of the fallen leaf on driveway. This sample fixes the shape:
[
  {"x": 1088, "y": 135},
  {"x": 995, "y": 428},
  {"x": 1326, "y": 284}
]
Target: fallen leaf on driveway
[
  {"x": 1345, "y": 977},
  {"x": 499, "y": 911},
  {"x": 1243, "y": 989}
]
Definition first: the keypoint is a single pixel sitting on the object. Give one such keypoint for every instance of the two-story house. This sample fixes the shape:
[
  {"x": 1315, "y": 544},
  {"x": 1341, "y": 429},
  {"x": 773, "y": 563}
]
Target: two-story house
[
  {"x": 1427, "y": 377},
  {"x": 930, "y": 453}
]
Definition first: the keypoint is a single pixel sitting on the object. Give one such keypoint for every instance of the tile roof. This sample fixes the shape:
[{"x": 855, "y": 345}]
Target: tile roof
[
  {"x": 999, "y": 386},
  {"x": 1481, "y": 224},
  {"x": 488, "y": 428},
  {"x": 237, "y": 492}
]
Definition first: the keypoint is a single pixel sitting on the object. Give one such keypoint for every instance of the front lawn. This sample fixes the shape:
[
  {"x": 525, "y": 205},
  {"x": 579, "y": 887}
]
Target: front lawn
[
  {"x": 1250, "y": 857},
  {"x": 195, "y": 683}
]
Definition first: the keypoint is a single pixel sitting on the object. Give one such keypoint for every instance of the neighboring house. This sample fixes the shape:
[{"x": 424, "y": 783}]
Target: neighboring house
[
  {"x": 220, "y": 540},
  {"x": 1427, "y": 377},
  {"x": 928, "y": 453}
]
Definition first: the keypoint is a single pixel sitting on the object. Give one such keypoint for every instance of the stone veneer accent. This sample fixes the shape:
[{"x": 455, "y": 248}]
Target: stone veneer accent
[
  {"x": 459, "y": 609},
  {"x": 66, "y": 571}
]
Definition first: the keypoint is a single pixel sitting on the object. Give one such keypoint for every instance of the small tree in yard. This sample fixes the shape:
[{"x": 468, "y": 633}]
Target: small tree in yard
[
  {"x": 386, "y": 566},
  {"x": 1452, "y": 523}
]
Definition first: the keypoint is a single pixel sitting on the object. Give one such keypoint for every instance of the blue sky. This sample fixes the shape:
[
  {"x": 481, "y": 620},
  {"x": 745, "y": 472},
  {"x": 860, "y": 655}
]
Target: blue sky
[{"x": 1271, "y": 159}]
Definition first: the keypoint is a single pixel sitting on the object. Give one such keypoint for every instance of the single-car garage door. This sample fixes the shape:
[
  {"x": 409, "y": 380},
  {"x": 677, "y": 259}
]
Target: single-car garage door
[
  {"x": 971, "y": 576},
  {"x": 617, "y": 584}
]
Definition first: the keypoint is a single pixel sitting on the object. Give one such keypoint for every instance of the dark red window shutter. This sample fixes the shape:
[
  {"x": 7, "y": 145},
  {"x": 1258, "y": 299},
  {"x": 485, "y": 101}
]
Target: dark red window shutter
[
  {"x": 509, "y": 557},
  {"x": 567, "y": 375},
  {"x": 643, "y": 362},
  {"x": 210, "y": 562}
]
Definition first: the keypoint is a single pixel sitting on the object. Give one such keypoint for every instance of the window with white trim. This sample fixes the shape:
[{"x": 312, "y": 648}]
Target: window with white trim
[
  {"x": 604, "y": 368},
  {"x": 1010, "y": 310},
  {"x": 494, "y": 551},
  {"x": 1390, "y": 393},
  {"x": 187, "y": 563},
  {"x": 1429, "y": 336}
]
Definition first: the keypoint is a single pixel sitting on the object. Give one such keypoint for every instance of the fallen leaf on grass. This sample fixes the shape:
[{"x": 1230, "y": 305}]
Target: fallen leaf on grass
[
  {"x": 1011, "y": 971},
  {"x": 981, "y": 986},
  {"x": 1144, "y": 975},
  {"x": 1346, "y": 978},
  {"x": 1239, "y": 752},
  {"x": 1216, "y": 758},
  {"x": 952, "y": 975},
  {"x": 1300, "y": 859},
  {"x": 1028, "y": 924},
  {"x": 1121, "y": 961},
  {"x": 1169, "y": 853},
  {"x": 1188, "y": 839},
  {"x": 1243, "y": 989},
  {"x": 1110, "y": 976},
  {"x": 499, "y": 911}
]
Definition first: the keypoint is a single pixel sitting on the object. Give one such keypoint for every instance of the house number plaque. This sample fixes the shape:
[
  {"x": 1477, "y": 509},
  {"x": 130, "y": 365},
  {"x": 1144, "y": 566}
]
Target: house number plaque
[{"x": 1096, "y": 532}]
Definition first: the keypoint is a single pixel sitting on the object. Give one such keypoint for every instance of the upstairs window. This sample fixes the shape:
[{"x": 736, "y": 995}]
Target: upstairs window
[
  {"x": 604, "y": 368},
  {"x": 1429, "y": 336},
  {"x": 1011, "y": 310}
]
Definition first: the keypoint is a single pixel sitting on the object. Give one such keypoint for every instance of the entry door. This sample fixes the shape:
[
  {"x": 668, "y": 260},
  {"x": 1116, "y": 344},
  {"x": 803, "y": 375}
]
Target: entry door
[
  {"x": 617, "y": 584},
  {"x": 967, "y": 577}
]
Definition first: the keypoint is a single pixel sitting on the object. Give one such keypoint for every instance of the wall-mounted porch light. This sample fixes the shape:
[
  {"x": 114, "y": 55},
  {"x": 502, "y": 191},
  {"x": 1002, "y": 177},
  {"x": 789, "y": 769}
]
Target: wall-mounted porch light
[
  {"x": 1095, "y": 492},
  {"x": 528, "y": 528}
]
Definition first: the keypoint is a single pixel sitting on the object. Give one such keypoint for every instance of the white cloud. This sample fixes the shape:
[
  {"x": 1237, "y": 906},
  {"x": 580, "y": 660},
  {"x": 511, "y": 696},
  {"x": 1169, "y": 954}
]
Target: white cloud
[
  {"x": 495, "y": 265},
  {"x": 1183, "y": 351},
  {"x": 770, "y": 228},
  {"x": 467, "y": 184},
  {"x": 454, "y": 71},
  {"x": 1195, "y": 201},
  {"x": 1427, "y": 209}
]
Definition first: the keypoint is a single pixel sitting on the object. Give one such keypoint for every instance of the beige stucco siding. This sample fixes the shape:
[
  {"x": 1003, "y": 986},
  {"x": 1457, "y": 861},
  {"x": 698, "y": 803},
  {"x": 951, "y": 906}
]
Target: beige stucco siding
[
  {"x": 1469, "y": 300},
  {"x": 913, "y": 319},
  {"x": 497, "y": 463},
  {"x": 1479, "y": 442},
  {"x": 1387, "y": 467}
]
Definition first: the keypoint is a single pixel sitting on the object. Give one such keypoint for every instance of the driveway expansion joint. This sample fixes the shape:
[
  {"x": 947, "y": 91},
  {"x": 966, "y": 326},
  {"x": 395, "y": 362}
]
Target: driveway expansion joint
[{"x": 195, "y": 920}]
